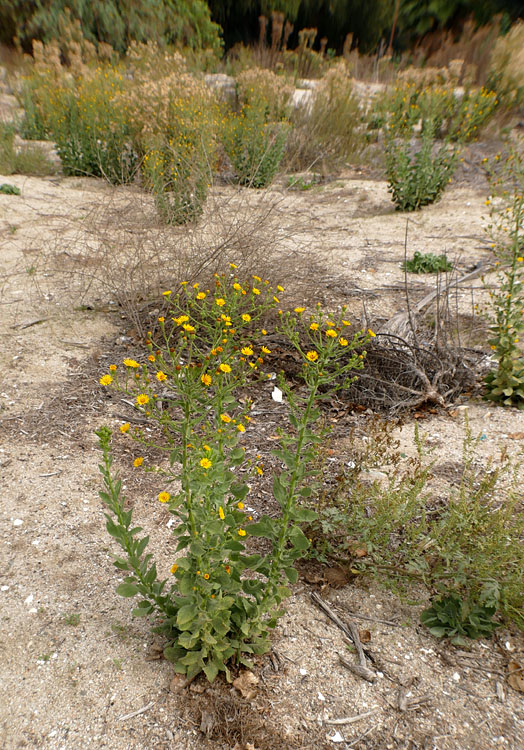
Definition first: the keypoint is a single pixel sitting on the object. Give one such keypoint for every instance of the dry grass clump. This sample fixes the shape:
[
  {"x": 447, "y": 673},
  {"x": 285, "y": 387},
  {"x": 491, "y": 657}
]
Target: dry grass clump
[
  {"x": 121, "y": 253},
  {"x": 508, "y": 62},
  {"x": 327, "y": 131}
]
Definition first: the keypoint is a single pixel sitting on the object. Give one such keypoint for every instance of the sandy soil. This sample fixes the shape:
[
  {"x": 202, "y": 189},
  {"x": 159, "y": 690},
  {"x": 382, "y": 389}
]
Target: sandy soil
[{"x": 76, "y": 670}]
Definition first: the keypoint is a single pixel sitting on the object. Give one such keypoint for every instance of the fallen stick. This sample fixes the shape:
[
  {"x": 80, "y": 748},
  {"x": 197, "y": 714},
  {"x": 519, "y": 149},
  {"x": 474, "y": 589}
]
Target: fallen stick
[
  {"x": 350, "y": 630},
  {"x": 352, "y": 719},
  {"x": 138, "y": 712}
]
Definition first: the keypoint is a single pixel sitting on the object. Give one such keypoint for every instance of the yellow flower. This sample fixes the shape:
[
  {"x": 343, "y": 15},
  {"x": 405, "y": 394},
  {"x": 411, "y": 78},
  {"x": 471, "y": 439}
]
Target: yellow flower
[
  {"x": 247, "y": 351},
  {"x": 314, "y": 326},
  {"x": 492, "y": 347},
  {"x": 174, "y": 568},
  {"x": 189, "y": 328},
  {"x": 221, "y": 513},
  {"x": 220, "y": 302},
  {"x": 312, "y": 356},
  {"x": 138, "y": 462},
  {"x": 201, "y": 295},
  {"x": 264, "y": 332},
  {"x": 299, "y": 310},
  {"x": 161, "y": 376},
  {"x": 342, "y": 341},
  {"x": 124, "y": 428},
  {"x": 241, "y": 532},
  {"x": 371, "y": 333},
  {"x": 131, "y": 363},
  {"x": 205, "y": 463},
  {"x": 164, "y": 497},
  {"x": 142, "y": 399},
  {"x": 330, "y": 323},
  {"x": 276, "y": 299},
  {"x": 166, "y": 294},
  {"x": 161, "y": 319},
  {"x": 112, "y": 368},
  {"x": 232, "y": 265},
  {"x": 246, "y": 318},
  {"x": 518, "y": 259},
  {"x": 224, "y": 368},
  {"x": 152, "y": 358},
  {"x": 240, "y": 505},
  {"x": 225, "y": 418},
  {"x": 257, "y": 278},
  {"x": 206, "y": 379},
  {"x": 206, "y": 447},
  {"x": 237, "y": 287},
  {"x": 106, "y": 380},
  {"x": 183, "y": 283},
  {"x": 330, "y": 333},
  {"x": 346, "y": 323},
  {"x": 241, "y": 428},
  {"x": 280, "y": 288},
  {"x": 181, "y": 319},
  {"x": 206, "y": 576},
  {"x": 256, "y": 291},
  {"x": 259, "y": 471}
]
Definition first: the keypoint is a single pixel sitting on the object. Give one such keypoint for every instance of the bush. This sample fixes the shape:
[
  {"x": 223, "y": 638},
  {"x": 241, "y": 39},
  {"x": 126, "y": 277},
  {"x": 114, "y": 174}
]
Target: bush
[
  {"x": 254, "y": 144},
  {"x": 418, "y": 179},
  {"x": 459, "y": 118},
  {"x": 466, "y": 548}
]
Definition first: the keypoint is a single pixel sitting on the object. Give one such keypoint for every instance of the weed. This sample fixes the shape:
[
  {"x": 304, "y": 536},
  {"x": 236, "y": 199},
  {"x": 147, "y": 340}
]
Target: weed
[
  {"x": 72, "y": 619},
  {"x": 452, "y": 617},
  {"x": 427, "y": 263},
  {"x": 300, "y": 183},
  {"x": 117, "y": 664},
  {"x": 7, "y": 189}
]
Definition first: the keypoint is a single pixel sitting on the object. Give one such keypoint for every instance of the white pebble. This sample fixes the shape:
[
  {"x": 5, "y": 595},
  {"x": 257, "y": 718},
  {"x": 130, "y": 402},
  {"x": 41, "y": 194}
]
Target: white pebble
[{"x": 17, "y": 522}]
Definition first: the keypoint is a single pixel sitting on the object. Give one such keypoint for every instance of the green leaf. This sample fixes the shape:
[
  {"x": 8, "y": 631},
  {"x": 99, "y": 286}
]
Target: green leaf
[
  {"x": 291, "y": 574},
  {"x": 239, "y": 490},
  {"x": 127, "y": 589},
  {"x": 186, "y": 614},
  {"x": 279, "y": 491},
  {"x": 303, "y": 515},
  {"x": 298, "y": 539},
  {"x": 210, "y": 670},
  {"x": 266, "y": 527}
]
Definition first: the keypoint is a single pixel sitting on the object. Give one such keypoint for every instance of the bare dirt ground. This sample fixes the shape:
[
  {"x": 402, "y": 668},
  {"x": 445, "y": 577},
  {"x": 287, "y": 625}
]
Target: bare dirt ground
[{"x": 76, "y": 670}]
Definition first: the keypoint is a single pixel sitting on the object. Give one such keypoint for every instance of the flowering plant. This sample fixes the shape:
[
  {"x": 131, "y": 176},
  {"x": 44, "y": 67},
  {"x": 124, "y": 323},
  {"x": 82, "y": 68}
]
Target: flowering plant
[
  {"x": 506, "y": 317},
  {"x": 222, "y": 597}
]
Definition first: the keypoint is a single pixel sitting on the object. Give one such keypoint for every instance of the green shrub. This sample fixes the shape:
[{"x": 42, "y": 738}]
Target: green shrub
[
  {"x": 420, "y": 179},
  {"x": 178, "y": 174},
  {"x": 254, "y": 144}
]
